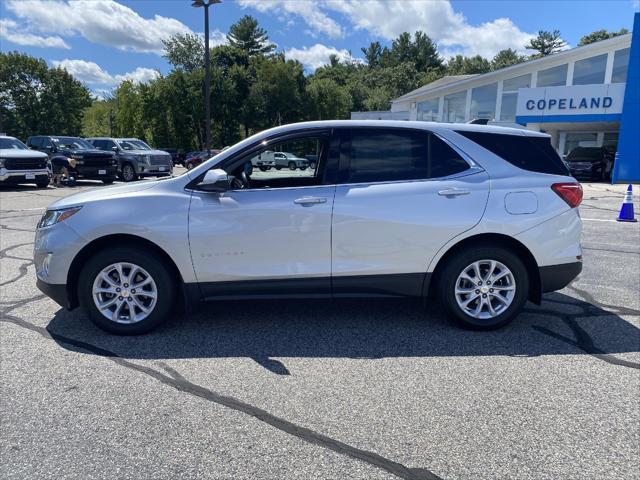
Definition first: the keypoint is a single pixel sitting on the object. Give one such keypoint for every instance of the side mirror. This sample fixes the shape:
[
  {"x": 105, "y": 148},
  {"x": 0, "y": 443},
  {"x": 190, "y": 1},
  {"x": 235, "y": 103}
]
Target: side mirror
[
  {"x": 215, "y": 180},
  {"x": 115, "y": 149}
]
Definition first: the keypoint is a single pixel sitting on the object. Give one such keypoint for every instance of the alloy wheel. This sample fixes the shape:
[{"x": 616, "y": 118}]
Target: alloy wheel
[
  {"x": 485, "y": 289},
  {"x": 128, "y": 174},
  {"x": 124, "y": 292}
]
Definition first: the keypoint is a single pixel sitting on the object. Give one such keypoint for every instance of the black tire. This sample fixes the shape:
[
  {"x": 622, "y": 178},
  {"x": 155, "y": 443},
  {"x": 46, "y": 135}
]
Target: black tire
[
  {"x": 42, "y": 183},
  {"x": 107, "y": 181},
  {"x": 312, "y": 165},
  {"x": 292, "y": 165},
  {"x": 278, "y": 167},
  {"x": 189, "y": 165},
  {"x": 263, "y": 169},
  {"x": 303, "y": 168},
  {"x": 129, "y": 173},
  {"x": 454, "y": 267},
  {"x": 165, "y": 283}
]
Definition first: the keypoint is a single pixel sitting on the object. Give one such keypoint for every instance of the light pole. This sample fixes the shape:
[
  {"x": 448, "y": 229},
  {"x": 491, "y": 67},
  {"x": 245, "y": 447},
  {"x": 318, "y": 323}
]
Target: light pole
[{"x": 207, "y": 94}]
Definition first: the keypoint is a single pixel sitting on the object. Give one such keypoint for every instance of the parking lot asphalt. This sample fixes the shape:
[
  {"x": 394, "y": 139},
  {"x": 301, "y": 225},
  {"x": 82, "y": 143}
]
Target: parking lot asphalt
[{"x": 350, "y": 389}]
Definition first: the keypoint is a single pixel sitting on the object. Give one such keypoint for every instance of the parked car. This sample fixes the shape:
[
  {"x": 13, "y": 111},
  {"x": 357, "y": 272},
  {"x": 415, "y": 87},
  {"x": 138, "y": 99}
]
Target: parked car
[
  {"x": 593, "y": 163},
  {"x": 177, "y": 156},
  {"x": 135, "y": 158},
  {"x": 290, "y": 161},
  {"x": 18, "y": 164},
  {"x": 88, "y": 162},
  {"x": 196, "y": 158},
  {"x": 313, "y": 161},
  {"x": 264, "y": 161},
  {"x": 482, "y": 217}
]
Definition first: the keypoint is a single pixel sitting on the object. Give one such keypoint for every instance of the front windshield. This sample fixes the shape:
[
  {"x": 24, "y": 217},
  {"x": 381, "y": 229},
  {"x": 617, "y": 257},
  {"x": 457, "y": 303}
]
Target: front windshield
[
  {"x": 12, "y": 144},
  {"x": 133, "y": 144},
  {"x": 583, "y": 153},
  {"x": 72, "y": 143}
]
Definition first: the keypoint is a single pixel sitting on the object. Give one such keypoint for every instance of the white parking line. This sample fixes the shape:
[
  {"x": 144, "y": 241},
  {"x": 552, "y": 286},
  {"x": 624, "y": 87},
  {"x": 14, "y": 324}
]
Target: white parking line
[{"x": 600, "y": 220}]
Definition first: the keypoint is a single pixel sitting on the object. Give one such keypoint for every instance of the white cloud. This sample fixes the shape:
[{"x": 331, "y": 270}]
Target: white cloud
[
  {"x": 387, "y": 19},
  {"x": 93, "y": 74},
  {"x": 316, "y": 56},
  {"x": 105, "y": 22},
  {"x": 310, "y": 11},
  {"x": 10, "y": 31}
]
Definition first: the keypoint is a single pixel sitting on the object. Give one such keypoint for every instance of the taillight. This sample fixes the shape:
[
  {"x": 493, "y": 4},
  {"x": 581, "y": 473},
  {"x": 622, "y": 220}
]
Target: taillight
[{"x": 569, "y": 192}]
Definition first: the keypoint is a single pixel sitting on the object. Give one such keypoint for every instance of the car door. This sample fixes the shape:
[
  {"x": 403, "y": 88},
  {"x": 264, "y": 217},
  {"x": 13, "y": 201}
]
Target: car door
[
  {"x": 272, "y": 239},
  {"x": 405, "y": 194}
]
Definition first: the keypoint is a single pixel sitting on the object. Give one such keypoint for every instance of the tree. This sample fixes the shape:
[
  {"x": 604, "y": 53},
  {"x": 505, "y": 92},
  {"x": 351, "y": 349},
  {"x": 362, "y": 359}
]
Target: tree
[
  {"x": 36, "y": 99},
  {"x": 546, "y": 43},
  {"x": 185, "y": 52},
  {"x": 506, "y": 58},
  {"x": 460, "y": 65},
  {"x": 372, "y": 54},
  {"x": 599, "y": 35},
  {"x": 246, "y": 35},
  {"x": 327, "y": 100}
]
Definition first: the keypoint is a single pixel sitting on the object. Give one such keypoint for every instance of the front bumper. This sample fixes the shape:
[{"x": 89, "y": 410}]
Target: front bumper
[
  {"x": 556, "y": 277},
  {"x": 151, "y": 170},
  {"x": 57, "y": 292},
  {"x": 92, "y": 172},
  {"x": 18, "y": 176}
]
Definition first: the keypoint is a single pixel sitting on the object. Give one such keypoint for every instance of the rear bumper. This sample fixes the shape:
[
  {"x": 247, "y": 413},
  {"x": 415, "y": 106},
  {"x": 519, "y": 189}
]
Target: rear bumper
[
  {"x": 556, "y": 277},
  {"x": 58, "y": 293}
]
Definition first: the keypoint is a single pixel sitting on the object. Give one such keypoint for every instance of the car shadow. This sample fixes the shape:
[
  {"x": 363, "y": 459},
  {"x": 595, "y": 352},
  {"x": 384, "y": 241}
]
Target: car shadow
[{"x": 370, "y": 328}]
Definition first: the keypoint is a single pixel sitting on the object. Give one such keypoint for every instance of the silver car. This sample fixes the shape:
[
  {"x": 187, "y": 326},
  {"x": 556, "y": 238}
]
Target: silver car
[{"x": 482, "y": 217}]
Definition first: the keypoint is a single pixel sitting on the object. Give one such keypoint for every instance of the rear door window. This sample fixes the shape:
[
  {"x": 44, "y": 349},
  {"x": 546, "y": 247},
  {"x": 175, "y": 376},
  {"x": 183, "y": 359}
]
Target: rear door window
[
  {"x": 535, "y": 154},
  {"x": 384, "y": 155}
]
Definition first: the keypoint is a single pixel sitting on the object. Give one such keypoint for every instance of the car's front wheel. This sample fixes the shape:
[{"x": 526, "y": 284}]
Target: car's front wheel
[
  {"x": 126, "y": 290},
  {"x": 42, "y": 183},
  {"x": 484, "y": 288},
  {"x": 128, "y": 173},
  {"x": 292, "y": 165}
]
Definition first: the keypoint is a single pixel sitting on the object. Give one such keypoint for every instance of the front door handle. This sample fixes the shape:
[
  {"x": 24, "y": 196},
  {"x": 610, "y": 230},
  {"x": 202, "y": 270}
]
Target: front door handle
[
  {"x": 309, "y": 200},
  {"x": 453, "y": 192}
]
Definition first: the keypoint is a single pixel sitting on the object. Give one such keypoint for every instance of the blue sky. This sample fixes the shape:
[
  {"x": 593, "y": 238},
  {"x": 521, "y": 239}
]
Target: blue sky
[{"x": 103, "y": 41}]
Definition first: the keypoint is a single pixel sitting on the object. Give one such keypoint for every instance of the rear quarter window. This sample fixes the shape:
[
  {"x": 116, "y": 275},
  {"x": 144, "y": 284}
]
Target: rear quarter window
[{"x": 534, "y": 154}]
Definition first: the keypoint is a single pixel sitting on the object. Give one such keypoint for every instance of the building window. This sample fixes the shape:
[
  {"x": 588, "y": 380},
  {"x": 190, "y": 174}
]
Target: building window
[
  {"x": 428, "y": 110},
  {"x": 620, "y": 66},
  {"x": 510, "y": 96},
  {"x": 590, "y": 70},
  {"x": 610, "y": 141},
  {"x": 553, "y": 77},
  {"x": 454, "y": 107},
  {"x": 483, "y": 101}
]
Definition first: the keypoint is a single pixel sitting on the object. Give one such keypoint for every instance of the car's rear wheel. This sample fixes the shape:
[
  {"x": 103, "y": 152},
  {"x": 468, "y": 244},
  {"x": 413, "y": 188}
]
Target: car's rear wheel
[
  {"x": 128, "y": 173},
  {"x": 278, "y": 167},
  {"x": 263, "y": 169},
  {"x": 126, "y": 290},
  {"x": 484, "y": 288}
]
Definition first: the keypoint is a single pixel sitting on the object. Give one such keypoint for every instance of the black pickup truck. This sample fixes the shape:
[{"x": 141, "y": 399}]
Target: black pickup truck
[{"x": 90, "y": 163}]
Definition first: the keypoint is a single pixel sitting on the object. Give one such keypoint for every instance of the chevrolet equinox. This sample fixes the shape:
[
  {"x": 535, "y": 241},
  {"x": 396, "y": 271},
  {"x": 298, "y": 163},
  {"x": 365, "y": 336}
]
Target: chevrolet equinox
[{"x": 482, "y": 217}]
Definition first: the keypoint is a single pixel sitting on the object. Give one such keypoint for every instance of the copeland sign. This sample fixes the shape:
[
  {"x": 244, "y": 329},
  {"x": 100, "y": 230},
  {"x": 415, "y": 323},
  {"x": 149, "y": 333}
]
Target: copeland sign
[{"x": 575, "y": 103}]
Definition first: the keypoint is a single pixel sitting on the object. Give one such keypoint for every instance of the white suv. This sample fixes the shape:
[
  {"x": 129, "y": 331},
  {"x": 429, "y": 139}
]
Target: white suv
[{"x": 482, "y": 217}]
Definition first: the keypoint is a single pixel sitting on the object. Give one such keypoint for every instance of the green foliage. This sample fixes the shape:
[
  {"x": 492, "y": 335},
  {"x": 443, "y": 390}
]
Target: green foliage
[
  {"x": 37, "y": 99},
  {"x": 460, "y": 65},
  {"x": 246, "y": 35},
  {"x": 599, "y": 35},
  {"x": 185, "y": 52},
  {"x": 546, "y": 43},
  {"x": 506, "y": 58}
]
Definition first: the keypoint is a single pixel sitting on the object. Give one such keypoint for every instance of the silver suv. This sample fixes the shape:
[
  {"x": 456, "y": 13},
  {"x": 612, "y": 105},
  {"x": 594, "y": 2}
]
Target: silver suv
[
  {"x": 19, "y": 164},
  {"x": 135, "y": 158},
  {"x": 482, "y": 217}
]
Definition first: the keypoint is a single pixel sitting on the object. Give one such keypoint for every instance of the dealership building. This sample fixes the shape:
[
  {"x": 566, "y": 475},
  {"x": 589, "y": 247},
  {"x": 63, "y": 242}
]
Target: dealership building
[{"x": 576, "y": 96}]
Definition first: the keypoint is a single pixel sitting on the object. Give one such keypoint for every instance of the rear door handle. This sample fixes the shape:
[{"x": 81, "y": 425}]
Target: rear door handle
[
  {"x": 453, "y": 192},
  {"x": 309, "y": 200}
]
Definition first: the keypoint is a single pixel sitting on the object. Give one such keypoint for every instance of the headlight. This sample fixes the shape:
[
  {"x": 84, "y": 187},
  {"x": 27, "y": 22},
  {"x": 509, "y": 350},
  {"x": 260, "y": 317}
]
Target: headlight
[
  {"x": 147, "y": 159},
  {"x": 1, "y": 162},
  {"x": 51, "y": 217}
]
